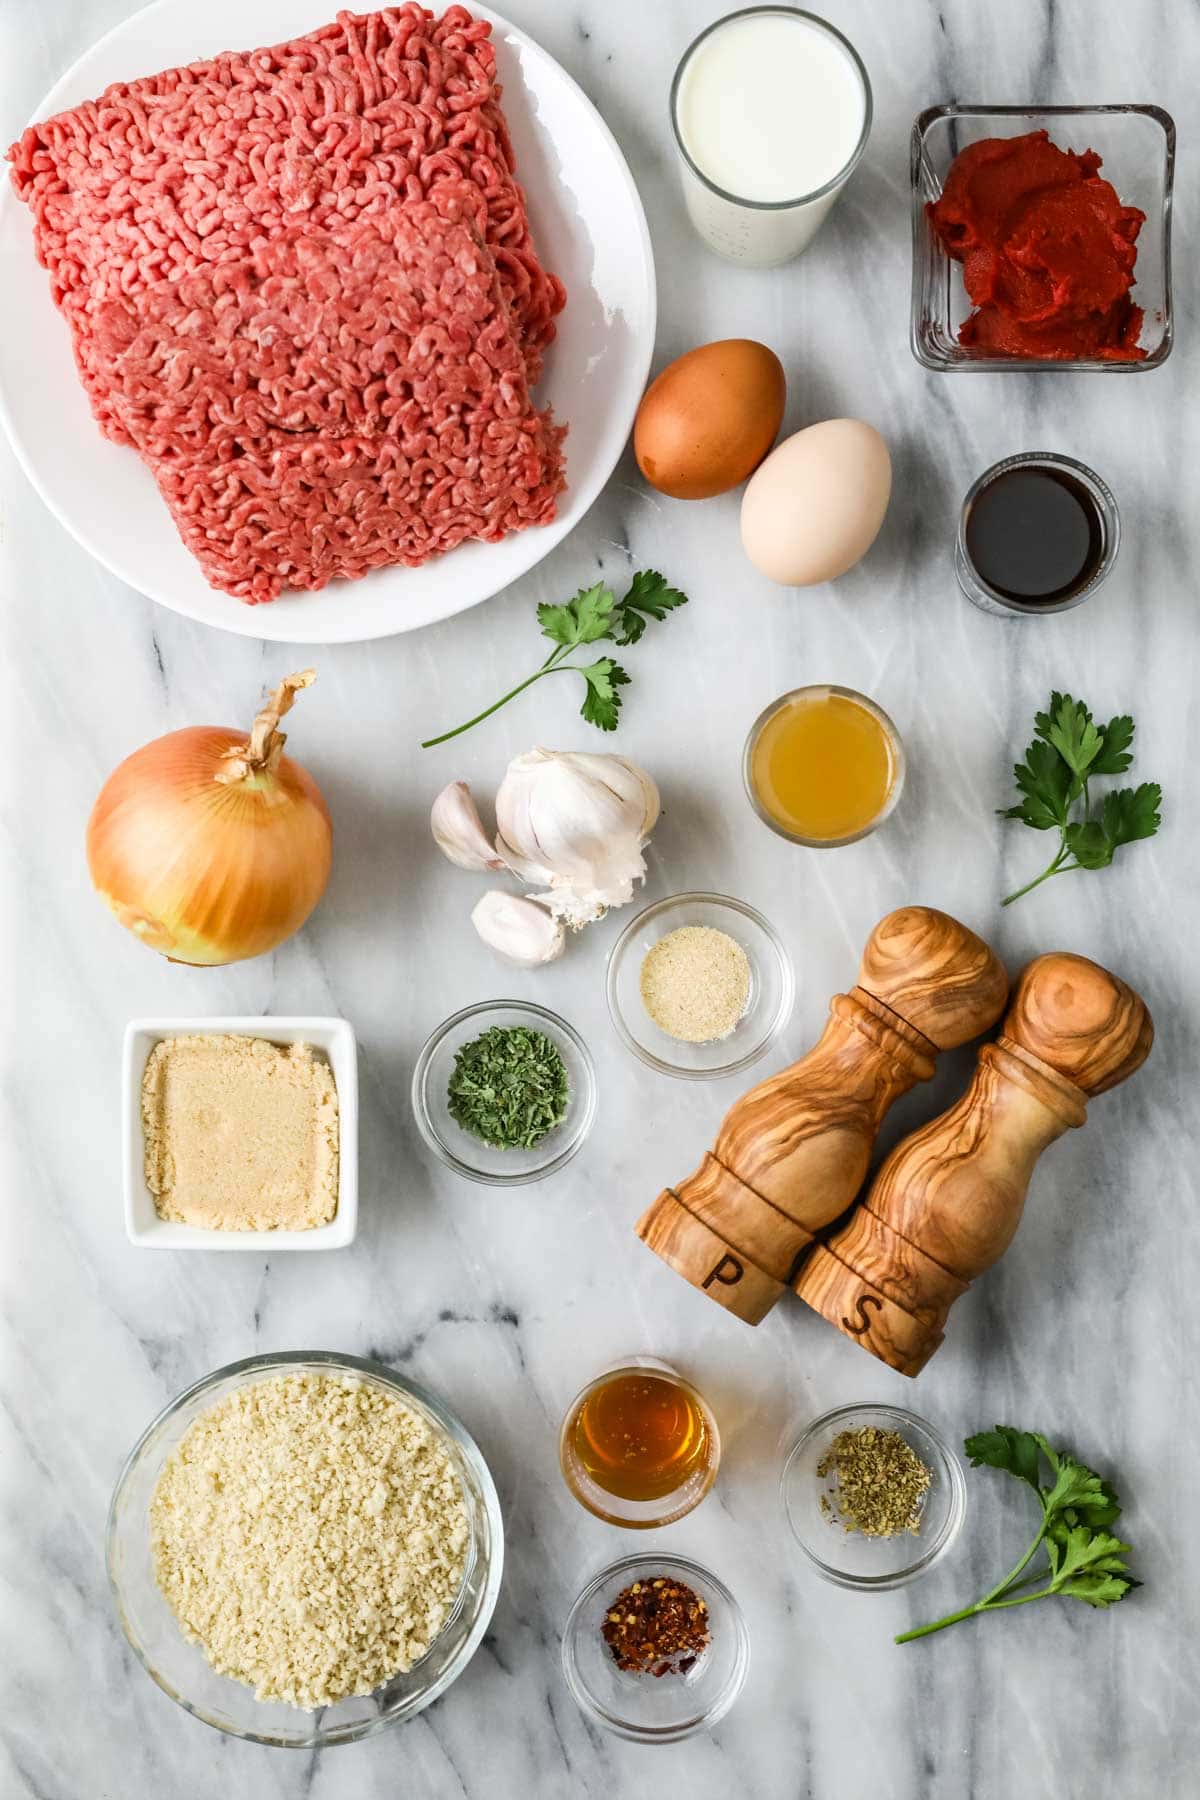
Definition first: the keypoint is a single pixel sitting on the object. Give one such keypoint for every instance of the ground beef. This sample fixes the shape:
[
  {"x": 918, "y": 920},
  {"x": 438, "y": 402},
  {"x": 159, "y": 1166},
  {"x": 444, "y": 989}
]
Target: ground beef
[
  {"x": 301, "y": 281},
  {"x": 165, "y": 174},
  {"x": 377, "y": 328},
  {"x": 338, "y": 403}
]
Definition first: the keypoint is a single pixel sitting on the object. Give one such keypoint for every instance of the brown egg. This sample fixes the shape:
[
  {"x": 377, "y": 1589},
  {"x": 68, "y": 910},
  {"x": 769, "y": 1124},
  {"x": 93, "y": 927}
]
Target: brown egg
[{"x": 708, "y": 420}]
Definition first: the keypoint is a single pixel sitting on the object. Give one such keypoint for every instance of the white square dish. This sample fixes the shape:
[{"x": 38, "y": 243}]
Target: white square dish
[{"x": 142, "y": 1224}]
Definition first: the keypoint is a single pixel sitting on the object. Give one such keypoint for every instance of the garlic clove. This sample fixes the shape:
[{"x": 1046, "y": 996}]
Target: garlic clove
[
  {"x": 520, "y": 930},
  {"x": 458, "y": 830}
]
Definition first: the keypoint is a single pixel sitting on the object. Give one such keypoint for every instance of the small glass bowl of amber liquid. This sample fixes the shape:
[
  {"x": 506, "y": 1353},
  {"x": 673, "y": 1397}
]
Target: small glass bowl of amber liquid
[
  {"x": 823, "y": 766},
  {"x": 639, "y": 1446}
]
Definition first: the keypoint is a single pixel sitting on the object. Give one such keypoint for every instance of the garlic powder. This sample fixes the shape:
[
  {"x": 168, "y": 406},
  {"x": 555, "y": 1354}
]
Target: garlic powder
[{"x": 695, "y": 983}]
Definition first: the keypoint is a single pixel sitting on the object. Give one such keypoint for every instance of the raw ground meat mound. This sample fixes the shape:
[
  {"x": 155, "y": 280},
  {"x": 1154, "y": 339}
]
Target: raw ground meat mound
[
  {"x": 339, "y": 402},
  {"x": 301, "y": 282}
]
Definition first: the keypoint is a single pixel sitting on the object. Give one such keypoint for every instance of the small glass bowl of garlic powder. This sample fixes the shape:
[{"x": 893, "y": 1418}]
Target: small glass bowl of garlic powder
[{"x": 699, "y": 985}]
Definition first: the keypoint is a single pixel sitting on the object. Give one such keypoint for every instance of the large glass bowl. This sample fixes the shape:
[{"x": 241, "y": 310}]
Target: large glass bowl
[
  {"x": 1137, "y": 145},
  {"x": 181, "y": 1669}
]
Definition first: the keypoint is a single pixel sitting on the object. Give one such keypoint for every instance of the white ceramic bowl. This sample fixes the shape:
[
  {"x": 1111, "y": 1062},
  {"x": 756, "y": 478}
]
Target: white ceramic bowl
[
  {"x": 142, "y": 1223},
  {"x": 589, "y": 227}
]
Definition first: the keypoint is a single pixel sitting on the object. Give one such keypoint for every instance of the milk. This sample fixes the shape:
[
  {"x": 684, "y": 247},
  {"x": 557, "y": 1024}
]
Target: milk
[{"x": 771, "y": 109}]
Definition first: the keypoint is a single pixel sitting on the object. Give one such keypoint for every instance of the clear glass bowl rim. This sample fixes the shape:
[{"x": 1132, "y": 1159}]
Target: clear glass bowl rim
[
  {"x": 264, "y": 1365},
  {"x": 956, "y": 1508},
  {"x": 899, "y": 760},
  {"x": 835, "y": 181},
  {"x": 993, "y": 365},
  {"x": 583, "y": 1124},
  {"x": 641, "y": 1562},
  {"x": 787, "y": 978},
  {"x": 1108, "y": 506},
  {"x": 678, "y": 1512}
]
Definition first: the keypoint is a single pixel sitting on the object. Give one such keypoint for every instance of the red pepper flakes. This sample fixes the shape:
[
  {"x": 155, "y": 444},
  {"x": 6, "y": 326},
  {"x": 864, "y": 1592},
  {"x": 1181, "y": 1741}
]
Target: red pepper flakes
[{"x": 657, "y": 1627}]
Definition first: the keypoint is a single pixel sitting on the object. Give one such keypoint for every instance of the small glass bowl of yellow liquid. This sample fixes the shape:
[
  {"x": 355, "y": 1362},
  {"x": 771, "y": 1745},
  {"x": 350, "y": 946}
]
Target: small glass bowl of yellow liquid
[{"x": 823, "y": 766}]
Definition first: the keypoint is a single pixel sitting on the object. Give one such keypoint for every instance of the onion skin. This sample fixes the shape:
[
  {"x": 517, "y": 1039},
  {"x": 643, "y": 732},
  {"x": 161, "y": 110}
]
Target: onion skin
[{"x": 205, "y": 868}]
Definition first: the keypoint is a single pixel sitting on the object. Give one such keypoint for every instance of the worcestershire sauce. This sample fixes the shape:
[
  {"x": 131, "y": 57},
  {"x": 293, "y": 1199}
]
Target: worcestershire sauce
[{"x": 1035, "y": 535}]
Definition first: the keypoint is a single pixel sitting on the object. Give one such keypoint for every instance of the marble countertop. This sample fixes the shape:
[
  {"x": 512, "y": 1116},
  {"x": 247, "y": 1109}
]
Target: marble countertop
[{"x": 507, "y": 1302}]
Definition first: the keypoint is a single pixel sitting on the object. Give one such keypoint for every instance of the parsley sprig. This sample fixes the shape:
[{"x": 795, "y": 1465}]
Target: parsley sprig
[
  {"x": 1083, "y": 1559},
  {"x": 1054, "y": 781},
  {"x": 592, "y": 617}
]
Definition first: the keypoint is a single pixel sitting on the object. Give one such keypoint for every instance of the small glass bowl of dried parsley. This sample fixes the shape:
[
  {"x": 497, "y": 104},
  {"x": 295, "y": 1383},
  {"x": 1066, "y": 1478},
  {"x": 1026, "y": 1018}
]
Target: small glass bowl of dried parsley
[
  {"x": 874, "y": 1495},
  {"x": 655, "y": 1648},
  {"x": 505, "y": 1092}
]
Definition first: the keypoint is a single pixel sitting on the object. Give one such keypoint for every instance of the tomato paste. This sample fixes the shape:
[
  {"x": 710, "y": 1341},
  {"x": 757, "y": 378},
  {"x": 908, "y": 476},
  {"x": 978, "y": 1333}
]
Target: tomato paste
[{"x": 1047, "y": 250}]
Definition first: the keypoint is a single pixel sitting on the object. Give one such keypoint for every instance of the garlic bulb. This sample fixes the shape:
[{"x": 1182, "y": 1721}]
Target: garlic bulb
[
  {"x": 458, "y": 829},
  {"x": 520, "y": 930},
  {"x": 576, "y": 821}
]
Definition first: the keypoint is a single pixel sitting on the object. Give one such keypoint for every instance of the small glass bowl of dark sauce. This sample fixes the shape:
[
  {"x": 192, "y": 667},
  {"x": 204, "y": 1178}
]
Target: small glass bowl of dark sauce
[{"x": 1038, "y": 534}]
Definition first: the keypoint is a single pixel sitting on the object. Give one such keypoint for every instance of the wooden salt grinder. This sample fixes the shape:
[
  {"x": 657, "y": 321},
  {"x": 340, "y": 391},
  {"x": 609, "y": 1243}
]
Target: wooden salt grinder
[
  {"x": 793, "y": 1152},
  {"x": 946, "y": 1203}
]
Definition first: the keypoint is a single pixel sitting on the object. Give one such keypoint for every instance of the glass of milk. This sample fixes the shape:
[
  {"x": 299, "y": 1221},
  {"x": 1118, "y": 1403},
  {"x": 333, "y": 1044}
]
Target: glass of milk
[{"x": 771, "y": 109}]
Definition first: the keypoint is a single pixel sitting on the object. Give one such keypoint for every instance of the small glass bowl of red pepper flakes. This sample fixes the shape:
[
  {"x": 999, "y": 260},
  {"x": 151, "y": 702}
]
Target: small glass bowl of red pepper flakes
[{"x": 655, "y": 1648}]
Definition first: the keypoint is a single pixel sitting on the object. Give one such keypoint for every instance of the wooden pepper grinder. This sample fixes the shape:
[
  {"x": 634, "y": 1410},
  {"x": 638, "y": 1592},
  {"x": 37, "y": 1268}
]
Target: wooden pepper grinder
[
  {"x": 793, "y": 1152},
  {"x": 946, "y": 1203}
]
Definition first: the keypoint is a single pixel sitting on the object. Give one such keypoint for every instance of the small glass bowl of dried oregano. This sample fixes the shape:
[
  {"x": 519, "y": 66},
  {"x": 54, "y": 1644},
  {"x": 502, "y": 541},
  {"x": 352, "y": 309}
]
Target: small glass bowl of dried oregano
[
  {"x": 874, "y": 1495},
  {"x": 505, "y": 1092}
]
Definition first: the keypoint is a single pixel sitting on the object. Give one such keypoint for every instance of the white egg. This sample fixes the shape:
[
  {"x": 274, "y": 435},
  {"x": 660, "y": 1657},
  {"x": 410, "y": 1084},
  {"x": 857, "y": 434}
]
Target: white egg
[{"x": 814, "y": 508}]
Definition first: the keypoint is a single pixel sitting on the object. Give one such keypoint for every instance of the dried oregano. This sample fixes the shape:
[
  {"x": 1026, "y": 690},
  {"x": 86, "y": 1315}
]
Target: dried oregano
[{"x": 880, "y": 1482}]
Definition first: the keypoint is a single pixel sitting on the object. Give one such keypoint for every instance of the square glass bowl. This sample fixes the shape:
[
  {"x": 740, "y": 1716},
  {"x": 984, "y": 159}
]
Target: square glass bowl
[
  {"x": 1137, "y": 145},
  {"x": 335, "y": 1039}
]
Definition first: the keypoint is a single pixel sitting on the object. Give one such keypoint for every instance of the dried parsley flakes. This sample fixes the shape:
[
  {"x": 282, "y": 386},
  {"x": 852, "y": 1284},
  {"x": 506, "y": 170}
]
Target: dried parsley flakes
[
  {"x": 881, "y": 1483},
  {"x": 509, "y": 1087}
]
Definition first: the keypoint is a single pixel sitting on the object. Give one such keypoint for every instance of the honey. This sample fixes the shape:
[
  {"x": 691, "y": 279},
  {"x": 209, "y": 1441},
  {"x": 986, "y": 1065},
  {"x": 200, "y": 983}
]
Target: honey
[
  {"x": 823, "y": 765},
  {"x": 641, "y": 1435}
]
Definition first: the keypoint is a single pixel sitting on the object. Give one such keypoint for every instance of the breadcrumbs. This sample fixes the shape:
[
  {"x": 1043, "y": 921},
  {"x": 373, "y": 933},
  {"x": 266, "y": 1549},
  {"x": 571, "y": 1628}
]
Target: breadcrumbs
[
  {"x": 309, "y": 1532},
  {"x": 695, "y": 983}
]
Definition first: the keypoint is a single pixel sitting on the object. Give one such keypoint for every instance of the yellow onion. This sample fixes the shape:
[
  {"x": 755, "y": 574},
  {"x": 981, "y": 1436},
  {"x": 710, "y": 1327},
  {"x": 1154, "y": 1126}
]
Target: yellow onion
[{"x": 211, "y": 845}]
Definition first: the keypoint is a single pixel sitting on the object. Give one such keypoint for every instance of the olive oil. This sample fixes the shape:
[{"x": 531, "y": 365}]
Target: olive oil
[
  {"x": 641, "y": 1435},
  {"x": 823, "y": 765}
]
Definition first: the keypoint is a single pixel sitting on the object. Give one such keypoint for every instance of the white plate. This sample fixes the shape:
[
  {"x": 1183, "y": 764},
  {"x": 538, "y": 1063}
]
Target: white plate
[
  {"x": 143, "y": 1227},
  {"x": 589, "y": 227}
]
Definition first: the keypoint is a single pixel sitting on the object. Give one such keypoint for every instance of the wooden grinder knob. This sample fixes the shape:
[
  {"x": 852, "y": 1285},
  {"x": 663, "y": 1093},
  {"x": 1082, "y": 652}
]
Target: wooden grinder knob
[
  {"x": 946, "y": 1203},
  {"x": 792, "y": 1153}
]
